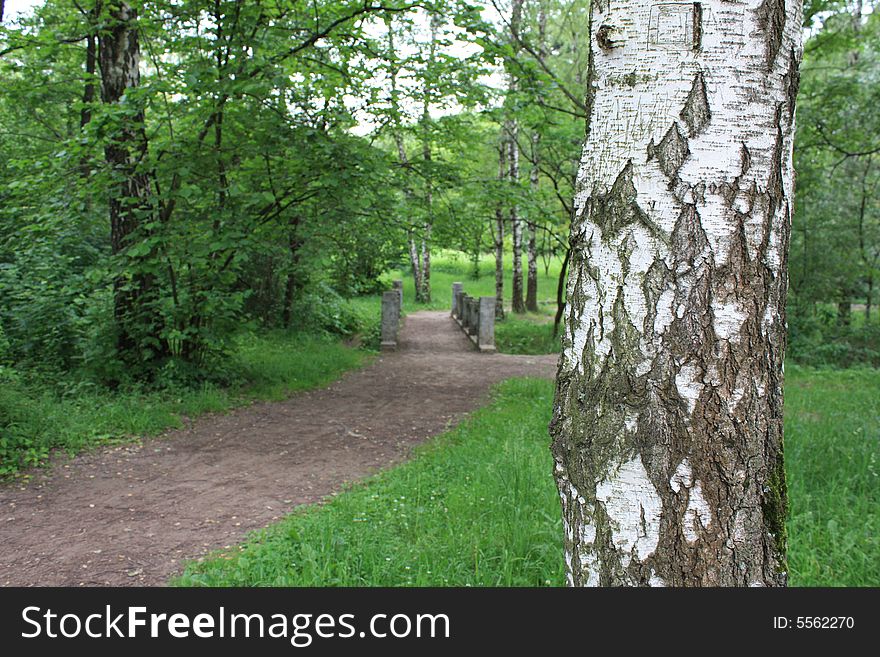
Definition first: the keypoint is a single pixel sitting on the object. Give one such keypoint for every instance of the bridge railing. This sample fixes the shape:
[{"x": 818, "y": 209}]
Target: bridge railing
[{"x": 475, "y": 316}]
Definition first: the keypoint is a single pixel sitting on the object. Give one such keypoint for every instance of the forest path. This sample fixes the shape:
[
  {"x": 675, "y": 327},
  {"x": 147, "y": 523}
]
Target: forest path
[{"x": 130, "y": 515}]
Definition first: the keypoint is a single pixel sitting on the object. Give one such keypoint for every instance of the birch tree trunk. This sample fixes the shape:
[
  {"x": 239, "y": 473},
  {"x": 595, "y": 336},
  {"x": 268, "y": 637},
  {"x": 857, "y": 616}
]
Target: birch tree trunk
[
  {"x": 416, "y": 264},
  {"x": 667, "y": 429},
  {"x": 534, "y": 179},
  {"x": 532, "y": 246},
  {"x": 498, "y": 233},
  {"x": 423, "y": 293},
  {"x": 517, "y": 303},
  {"x": 516, "y": 289}
]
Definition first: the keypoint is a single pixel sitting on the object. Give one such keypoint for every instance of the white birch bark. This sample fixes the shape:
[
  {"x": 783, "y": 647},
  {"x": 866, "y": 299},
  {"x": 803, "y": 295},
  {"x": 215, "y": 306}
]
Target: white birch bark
[
  {"x": 516, "y": 229},
  {"x": 498, "y": 232},
  {"x": 668, "y": 418},
  {"x": 532, "y": 242},
  {"x": 516, "y": 225},
  {"x": 534, "y": 180}
]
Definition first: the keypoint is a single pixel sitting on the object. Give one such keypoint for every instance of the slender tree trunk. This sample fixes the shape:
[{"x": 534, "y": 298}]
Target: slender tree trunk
[
  {"x": 426, "y": 265},
  {"x": 293, "y": 284},
  {"x": 869, "y": 299},
  {"x": 534, "y": 179},
  {"x": 138, "y": 321},
  {"x": 844, "y": 309},
  {"x": 423, "y": 293},
  {"x": 512, "y": 126},
  {"x": 498, "y": 233},
  {"x": 667, "y": 429},
  {"x": 532, "y": 248},
  {"x": 517, "y": 303},
  {"x": 863, "y": 207},
  {"x": 415, "y": 263},
  {"x": 425, "y": 289},
  {"x": 89, "y": 90}
]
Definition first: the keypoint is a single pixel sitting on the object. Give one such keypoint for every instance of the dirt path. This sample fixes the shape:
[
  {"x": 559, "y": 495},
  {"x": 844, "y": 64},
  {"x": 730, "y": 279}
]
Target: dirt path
[{"x": 131, "y": 515}]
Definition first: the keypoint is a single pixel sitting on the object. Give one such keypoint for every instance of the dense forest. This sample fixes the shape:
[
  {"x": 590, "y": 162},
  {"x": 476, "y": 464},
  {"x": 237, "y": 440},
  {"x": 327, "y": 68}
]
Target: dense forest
[{"x": 176, "y": 174}]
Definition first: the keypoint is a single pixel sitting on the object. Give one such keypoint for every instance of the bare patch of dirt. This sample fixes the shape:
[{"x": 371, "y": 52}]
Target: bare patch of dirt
[{"x": 130, "y": 515}]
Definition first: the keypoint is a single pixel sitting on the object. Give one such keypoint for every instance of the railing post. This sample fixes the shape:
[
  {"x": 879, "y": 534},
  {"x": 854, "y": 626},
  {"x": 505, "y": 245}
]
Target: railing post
[
  {"x": 398, "y": 285},
  {"x": 390, "y": 319},
  {"x": 473, "y": 327},
  {"x": 456, "y": 288},
  {"x": 486, "y": 337}
]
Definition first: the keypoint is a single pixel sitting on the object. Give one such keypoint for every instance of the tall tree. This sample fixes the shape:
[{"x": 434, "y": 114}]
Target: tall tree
[
  {"x": 534, "y": 180},
  {"x": 138, "y": 323},
  {"x": 498, "y": 231},
  {"x": 512, "y": 130},
  {"x": 667, "y": 429}
]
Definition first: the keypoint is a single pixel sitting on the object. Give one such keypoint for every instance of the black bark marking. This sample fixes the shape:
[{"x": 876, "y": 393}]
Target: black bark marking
[
  {"x": 696, "y": 113},
  {"x": 771, "y": 20},
  {"x": 689, "y": 239},
  {"x": 604, "y": 37},
  {"x": 745, "y": 159},
  {"x": 618, "y": 208},
  {"x": 791, "y": 83},
  {"x": 671, "y": 153},
  {"x": 698, "y": 26}
]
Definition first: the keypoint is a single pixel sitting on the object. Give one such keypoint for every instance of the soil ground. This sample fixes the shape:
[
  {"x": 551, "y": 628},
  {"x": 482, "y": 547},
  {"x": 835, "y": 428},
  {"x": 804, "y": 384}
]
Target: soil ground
[{"x": 131, "y": 515}]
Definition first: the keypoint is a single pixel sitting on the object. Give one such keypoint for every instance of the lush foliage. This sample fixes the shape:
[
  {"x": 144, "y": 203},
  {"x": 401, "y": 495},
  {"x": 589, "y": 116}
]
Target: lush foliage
[
  {"x": 478, "y": 506},
  {"x": 36, "y": 419},
  {"x": 835, "y": 248}
]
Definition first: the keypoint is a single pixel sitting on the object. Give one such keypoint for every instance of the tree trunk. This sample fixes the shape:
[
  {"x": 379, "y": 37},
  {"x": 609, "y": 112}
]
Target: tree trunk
[
  {"x": 667, "y": 429},
  {"x": 844, "y": 311},
  {"x": 423, "y": 293},
  {"x": 88, "y": 98},
  {"x": 137, "y": 320},
  {"x": 532, "y": 247},
  {"x": 90, "y": 86},
  {"x": 415, "y": 263},
  {"x": 534, "y": 180},
  {"x": 498, "y": 233},
  {"x": 869, "y": 299},
  {"x": 517, "y": 303},
  {"x": 294, "y": 283},
  {"x": 426, "y": 265}
]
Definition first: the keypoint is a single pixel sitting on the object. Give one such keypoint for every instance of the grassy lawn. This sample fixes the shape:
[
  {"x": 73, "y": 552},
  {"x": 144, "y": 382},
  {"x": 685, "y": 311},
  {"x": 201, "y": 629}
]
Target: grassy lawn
[
  {"x": 832, "y": 448},
  {"x": 36, "y": 419},
  {"x": 478, "y": 506}
]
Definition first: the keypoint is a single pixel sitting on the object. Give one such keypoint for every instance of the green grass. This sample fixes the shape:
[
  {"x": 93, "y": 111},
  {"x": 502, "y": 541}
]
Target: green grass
[
  {"x": 526, "y": 334},
  {"x": 832, "y": 422},
  {"x": 478, "y": 506},
  {"x": 35, "y": 419}
]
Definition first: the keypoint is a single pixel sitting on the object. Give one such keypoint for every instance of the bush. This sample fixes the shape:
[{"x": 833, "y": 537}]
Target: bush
[{"x": 818, "y": 341}]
